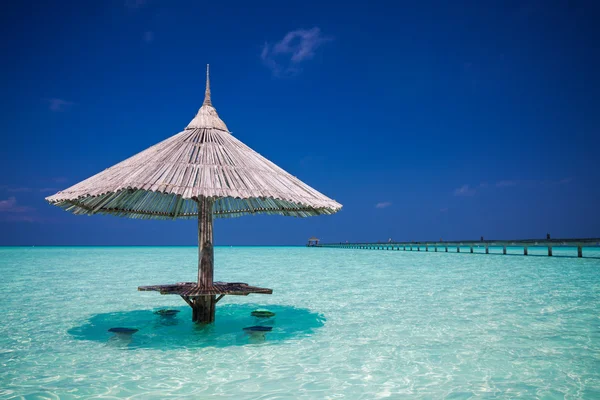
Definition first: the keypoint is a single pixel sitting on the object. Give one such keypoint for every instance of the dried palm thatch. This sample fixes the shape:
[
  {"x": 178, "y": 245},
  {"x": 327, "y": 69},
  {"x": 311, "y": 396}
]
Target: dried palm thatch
[{"x": 204, "y": 160}]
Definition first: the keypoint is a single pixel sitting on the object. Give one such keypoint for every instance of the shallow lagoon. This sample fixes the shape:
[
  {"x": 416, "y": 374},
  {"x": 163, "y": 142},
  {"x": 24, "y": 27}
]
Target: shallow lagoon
[{"x": 353, "y": 324}]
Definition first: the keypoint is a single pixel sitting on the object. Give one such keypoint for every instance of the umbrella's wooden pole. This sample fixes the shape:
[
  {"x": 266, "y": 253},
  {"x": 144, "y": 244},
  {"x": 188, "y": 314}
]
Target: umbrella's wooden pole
[
  {"x": 205, "y": 243},
  {"x": 203, "y": 310}
]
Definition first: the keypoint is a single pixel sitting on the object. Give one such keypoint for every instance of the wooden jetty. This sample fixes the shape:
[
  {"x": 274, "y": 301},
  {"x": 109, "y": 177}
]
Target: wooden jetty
[{"x": 455, "y": 246}]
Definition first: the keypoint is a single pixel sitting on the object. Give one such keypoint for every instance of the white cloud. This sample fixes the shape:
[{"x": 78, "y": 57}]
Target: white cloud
[
  {"x": 10, "y": 206},
  {"x": 283, "y": 57},
  {"x": 11, "y": 211},
  {"x": 135, "y": 4},
  {"x": 19, "y": 189},
  {"x": 58, "y": 105},
  {"x": 467, "y": 190},
  {"x": 464, "y": 190},
  {"x": 506, "y": 183},
  {"x": 148, "y": 36},
  {"x": 383, "y": 204}
]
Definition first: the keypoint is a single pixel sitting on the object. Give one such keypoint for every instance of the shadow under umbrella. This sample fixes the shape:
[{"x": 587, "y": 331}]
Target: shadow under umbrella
[{"x": 155, "y": 330}]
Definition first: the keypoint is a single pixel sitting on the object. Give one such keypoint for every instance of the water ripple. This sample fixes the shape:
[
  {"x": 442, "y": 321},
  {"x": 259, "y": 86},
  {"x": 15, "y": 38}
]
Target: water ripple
[{"x": 416, "y": 325}]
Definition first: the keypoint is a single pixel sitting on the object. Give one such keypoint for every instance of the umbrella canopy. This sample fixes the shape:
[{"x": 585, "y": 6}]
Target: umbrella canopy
[{"x": 205, "y": 160}]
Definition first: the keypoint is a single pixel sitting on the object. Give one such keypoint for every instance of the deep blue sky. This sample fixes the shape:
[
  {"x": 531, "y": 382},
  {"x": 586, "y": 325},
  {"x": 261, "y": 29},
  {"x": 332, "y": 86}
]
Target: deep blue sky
[{"x": 424, "y": 119}]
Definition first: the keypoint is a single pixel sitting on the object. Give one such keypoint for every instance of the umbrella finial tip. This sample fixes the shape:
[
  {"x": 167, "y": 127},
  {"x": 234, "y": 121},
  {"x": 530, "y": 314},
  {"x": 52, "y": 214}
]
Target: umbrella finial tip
[{"x": 207, "y": 92}]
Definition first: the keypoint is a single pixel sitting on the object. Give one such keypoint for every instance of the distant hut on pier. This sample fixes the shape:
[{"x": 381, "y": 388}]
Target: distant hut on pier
[
  {"x": 312, "y": 242},
  {"x": 202, "y": 172}
]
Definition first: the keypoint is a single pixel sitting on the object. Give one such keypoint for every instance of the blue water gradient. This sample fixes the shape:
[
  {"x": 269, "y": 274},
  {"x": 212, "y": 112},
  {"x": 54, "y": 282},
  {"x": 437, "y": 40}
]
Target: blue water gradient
[{"x": 353, "y": 324}]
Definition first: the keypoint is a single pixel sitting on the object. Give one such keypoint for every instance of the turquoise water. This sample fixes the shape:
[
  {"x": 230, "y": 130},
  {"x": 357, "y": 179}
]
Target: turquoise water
[{"x": 353, "y": 324}]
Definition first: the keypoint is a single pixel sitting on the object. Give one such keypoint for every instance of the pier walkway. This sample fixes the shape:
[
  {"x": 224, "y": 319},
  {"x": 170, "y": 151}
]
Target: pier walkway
[{"x": 470, "y": 245}]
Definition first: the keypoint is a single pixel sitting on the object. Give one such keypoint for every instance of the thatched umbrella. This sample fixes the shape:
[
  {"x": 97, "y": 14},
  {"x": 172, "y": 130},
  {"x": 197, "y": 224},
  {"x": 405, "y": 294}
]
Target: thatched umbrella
[{"x": 201, "y": 172}]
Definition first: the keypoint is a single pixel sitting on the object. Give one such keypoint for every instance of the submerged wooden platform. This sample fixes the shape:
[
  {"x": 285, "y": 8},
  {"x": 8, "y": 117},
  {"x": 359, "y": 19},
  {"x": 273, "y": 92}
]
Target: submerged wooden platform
[
  {"x": 191, "y": 289},
  {"x": 454, "y": 245},
  {"x": 204, "y": 299}
]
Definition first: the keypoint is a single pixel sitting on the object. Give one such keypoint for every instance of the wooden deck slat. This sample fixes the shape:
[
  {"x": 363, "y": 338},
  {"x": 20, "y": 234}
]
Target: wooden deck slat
[{"x": 191, "y": 289}]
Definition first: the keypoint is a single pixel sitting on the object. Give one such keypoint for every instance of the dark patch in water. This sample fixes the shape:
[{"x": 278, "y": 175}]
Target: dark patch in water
[
  {"x": 179, "y": 331},
  {"x": 123, "y": 330},
  {"x": 258, "y": 328},
  {"x": 262, "y": 314},
  {"x": 166, "y": 312}
]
